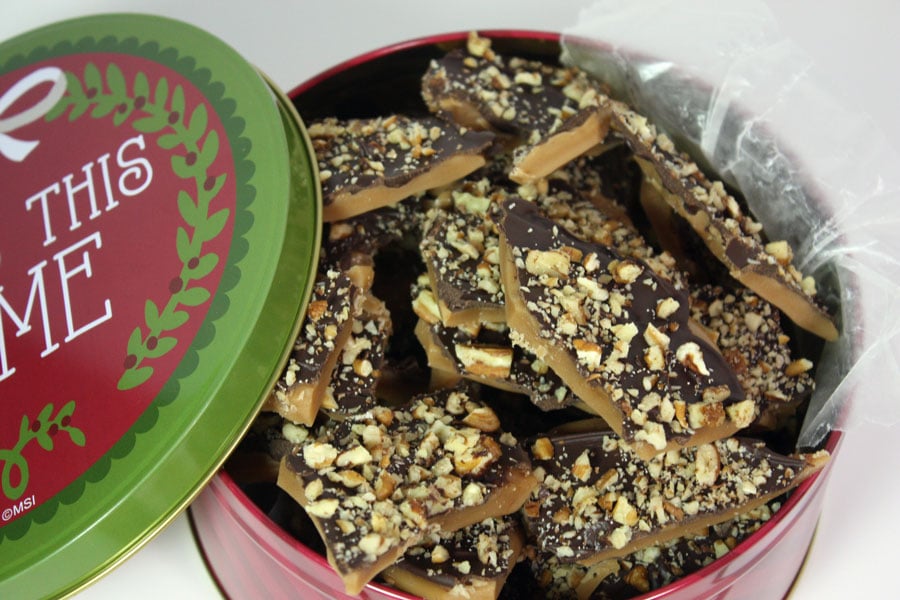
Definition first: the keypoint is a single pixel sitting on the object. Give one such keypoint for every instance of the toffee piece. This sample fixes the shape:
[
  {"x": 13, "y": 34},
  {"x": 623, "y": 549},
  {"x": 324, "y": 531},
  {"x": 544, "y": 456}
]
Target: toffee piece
[
  {"x": 569, "y": 196},
  {"x": 647, "y": 569},
  {"x": 489, "y": 357},
  {"x": 471, "y": 563},
  {"x": 618, "y": 335},
  {"x": 731, "y": 235},
  {"x": 459, "y": 246},
  {"x": 353, "y": 383},
  {"x": 368, "y": 163},
  {"x": 337, "y": 298},
  {"x": 748, "y": 330},
  {"x": 375, "y": 483},
  {"x": 528, "y": 100},
  {"x": 597, "y": 500}
]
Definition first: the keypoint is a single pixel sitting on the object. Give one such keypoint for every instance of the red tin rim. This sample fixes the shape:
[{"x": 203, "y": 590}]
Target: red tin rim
[{"x": 418, "y": 42}]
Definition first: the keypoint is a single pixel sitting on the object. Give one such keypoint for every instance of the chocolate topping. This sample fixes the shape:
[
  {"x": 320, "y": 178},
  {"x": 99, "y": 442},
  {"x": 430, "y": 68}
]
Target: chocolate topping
[
  {"x": 732, "y": 236},
  {"x": 459, "y": 248},
  {"x": 364, "y": 164},
  {"x": 616, "y": 333},
  {"x": 489, "y": 357},
  {"x": 336, "y": 299},
  {"x": 748, "y": 330},
  {"x": 352, "y": 386},
  {"x": 530, "y": 100},
  {"x": 372, "y": 231},
  {"x": 597, "y": 500},
  {"x": 376, "y": 482},
  {"x": 462, "y": 561},
  {"x": 647, "y": 569}
]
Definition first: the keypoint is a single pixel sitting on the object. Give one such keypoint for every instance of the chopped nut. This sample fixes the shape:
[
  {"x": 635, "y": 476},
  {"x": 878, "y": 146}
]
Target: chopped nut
[
  {"x": 324, "y": 509},
  {"x": 625, "y": 271},
  {"x": 667, "y": 307},
  {"x": 690, "y": 355},
  {"x": 439, "y": 555},
  {"x": 319, "y": 455},
  {"x": 542, "y": 448},
  {"x": 547, "y": 262},
  {"x": 801, "y": 365},
  {"x": 482, "y": 419},
  {"x": 706, "y": 464}
]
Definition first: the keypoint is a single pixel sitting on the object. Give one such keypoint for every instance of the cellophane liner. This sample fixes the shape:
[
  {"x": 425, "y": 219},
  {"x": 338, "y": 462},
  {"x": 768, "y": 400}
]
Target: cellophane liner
[{"x": 751, "y": 108}]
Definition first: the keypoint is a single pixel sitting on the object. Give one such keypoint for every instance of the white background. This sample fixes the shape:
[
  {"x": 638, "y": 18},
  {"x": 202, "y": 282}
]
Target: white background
[{"x": 856, "y": 48}]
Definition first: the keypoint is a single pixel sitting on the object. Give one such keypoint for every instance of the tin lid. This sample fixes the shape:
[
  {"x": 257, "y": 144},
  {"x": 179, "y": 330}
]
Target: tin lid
[{"x": 159, "y": 226}]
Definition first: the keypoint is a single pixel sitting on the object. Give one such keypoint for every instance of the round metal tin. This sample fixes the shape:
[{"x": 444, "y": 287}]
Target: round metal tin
[
  {"x": 159, "y": 228},
  {"x": 251, "y": 555}
]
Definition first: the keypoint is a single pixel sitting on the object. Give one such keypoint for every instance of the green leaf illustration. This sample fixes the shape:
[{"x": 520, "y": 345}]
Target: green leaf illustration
[
  {"x": 187, "y": 208},
  {"x": 205, "y": 266},
  {"x": 67, "y": 410},
  {"x": 45, "y": 413},
  {"x": 210, "y": 149},
  {"x": 194, "y": 296},
  {"x": 141, "y": 85},
  {"x": 92, "y": 79},
  {"x": 45, "y": 441},
  {"x": 177, "y": 319},
  {"x": 150, "y": 124},
  {"x": 135, "y": 341},
  {"x": 177, "y": 100},
  {"x": 163, "y": 345},
  {"x": 183, "y": 245},
  {"x": 134, "y": 377},
  {"x": 198, "y": 122},
  {"x": 151, "y": 314},
  {"x": 103, "y": 106},
  {"x": 214, "y": 224},
  {"x": 181, "y": 167},
  {"x": 115, "y": 80},
  {"x": 76, "y": 435},
  {"x": 217, "y": 185},
  {"x": 168, "y": 141},
  {"x": 162, "y": 92}
]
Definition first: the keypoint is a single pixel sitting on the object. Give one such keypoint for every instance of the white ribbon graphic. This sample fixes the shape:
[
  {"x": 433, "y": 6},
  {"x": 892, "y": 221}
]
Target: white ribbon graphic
[{"x": 10, "y": 147}]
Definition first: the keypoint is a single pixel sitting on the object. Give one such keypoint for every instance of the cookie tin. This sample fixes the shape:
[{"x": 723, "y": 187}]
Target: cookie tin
[
  {"x": 159, "y": 226},
  {"x": 250, "y": 555}
]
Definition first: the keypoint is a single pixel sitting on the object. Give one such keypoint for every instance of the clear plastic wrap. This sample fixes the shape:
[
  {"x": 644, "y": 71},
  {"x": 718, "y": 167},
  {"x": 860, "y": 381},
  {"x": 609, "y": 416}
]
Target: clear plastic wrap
[{"x": 748, "y": 105}]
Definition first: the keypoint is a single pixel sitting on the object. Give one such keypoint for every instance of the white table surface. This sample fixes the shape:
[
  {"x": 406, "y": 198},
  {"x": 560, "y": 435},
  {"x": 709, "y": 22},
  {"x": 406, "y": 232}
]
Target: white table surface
[{"x": 855, "y": 46}]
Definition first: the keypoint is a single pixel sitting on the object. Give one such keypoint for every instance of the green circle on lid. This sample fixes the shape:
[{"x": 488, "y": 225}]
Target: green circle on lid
[{"x": 205, "y": 407}]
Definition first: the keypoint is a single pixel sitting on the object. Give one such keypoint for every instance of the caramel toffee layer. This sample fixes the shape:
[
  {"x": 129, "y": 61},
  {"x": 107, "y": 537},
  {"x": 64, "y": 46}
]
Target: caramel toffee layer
[
  {"x": 376, "y": 482},
  {"x": 617, "y": 334},
  {"x": 366, "y": 164},
  {"x": 597, "y": 500}
]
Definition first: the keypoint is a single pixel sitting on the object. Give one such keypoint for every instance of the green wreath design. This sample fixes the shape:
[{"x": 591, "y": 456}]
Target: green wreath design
[
  {"x": 43, "y": 429},
  {"x": 161, "y": 110}
]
